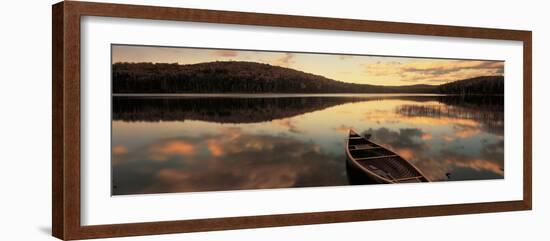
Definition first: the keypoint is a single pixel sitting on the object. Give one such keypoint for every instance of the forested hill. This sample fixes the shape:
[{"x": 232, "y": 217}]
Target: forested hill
[
  {"x": 483, "y": 85},
  {"x": 235, "y": 77},
  {"x": 251, "y": 77}
]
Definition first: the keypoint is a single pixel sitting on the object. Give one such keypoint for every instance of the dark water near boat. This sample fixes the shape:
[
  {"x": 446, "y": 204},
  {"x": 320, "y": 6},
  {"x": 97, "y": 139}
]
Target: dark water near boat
[{"x": 224, "y": 142}]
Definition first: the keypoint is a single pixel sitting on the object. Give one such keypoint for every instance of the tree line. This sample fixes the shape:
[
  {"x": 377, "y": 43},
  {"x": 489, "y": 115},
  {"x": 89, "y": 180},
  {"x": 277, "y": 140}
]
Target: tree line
[
  {"x": 483, "y": 85},
  {"x": 248, "y": 77}
]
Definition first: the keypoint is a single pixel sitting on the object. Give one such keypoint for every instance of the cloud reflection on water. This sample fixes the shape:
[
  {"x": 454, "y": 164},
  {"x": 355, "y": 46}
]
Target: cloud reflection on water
[
  {"x": 230, "y": 160},
  {"x": 436, "y": 161},
  {"x": 195, "y": 149}
]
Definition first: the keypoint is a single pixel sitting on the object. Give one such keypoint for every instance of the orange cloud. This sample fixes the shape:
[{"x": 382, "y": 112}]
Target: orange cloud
[
  {"x": 426, "y": 136},
  {"x": 215, "y": 147},
  {"x": 118, "y": 154},
  {"x": 439, "y": 121},
  {"x": 448, "y": 138},
  {"x": 406, "y": 153},
  {"x": 171, "y": 148},
  {"x": 178, "y": 147},
  {"x": 120, "y": 150},
  {"x": 465, "y": 133}
]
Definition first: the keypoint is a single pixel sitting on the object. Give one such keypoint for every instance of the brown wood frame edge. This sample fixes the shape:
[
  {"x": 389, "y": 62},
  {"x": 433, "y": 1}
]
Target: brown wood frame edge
[{"x": 66, "y": 119}]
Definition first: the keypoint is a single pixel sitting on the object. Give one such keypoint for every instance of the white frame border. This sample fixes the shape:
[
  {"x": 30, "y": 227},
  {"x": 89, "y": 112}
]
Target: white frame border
[{"x": 98, "y": 207}]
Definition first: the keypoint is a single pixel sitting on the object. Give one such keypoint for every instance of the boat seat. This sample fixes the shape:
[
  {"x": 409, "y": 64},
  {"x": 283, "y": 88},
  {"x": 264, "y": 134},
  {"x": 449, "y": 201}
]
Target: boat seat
[
  {"x": 409, "y": 179},
  {"x": 374, "y": 157},
  {"x": 360, "y": 146},
  {"x": 366, "y": 147}
]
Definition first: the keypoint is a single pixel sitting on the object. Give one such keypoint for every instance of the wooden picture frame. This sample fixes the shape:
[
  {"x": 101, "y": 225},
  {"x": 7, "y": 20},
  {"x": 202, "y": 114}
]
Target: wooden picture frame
[{"x": 66, "y": 166}]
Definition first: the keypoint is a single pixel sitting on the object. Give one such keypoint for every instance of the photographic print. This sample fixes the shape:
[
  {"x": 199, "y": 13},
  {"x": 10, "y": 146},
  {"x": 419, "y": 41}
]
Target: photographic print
[{"x": 199, "y": 119}]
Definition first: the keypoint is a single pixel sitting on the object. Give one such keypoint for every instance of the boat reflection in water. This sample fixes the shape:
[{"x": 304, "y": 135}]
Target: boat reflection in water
[{"x": 215, "y": 143}]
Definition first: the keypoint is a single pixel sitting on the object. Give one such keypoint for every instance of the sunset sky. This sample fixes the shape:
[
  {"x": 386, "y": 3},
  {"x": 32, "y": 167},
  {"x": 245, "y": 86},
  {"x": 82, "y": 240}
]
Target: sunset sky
[{"x": 348, "y": 68}]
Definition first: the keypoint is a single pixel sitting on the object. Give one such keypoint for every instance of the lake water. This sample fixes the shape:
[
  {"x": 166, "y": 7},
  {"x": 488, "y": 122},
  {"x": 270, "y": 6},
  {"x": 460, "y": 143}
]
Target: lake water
[{"x": 192, "y": 143}]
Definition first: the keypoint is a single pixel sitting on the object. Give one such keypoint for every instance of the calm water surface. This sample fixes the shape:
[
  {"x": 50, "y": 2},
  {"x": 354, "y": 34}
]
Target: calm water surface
[{"x": 211, "y": 143}]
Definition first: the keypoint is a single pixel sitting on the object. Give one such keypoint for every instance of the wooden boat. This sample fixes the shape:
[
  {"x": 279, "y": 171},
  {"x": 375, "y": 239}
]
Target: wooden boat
[{"x": 379, "y": 163}]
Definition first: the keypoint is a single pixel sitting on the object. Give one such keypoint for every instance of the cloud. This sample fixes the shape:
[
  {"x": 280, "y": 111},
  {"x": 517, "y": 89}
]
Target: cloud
[
  {"x": 466, "y": 131},
  {"x": 486, "y": 161},
  {"x": 228, "y": 160},
  {"x": 163, "y": 151},
  {"x": 404, "y": 138},
  {"x": 493, "y": 151},
  {"x": 445, "y": 67},
  {"x": 343, "y": 129},
  {"x": 225, "y": 53},
  {"x": 434, "y": 70},
  {"x": 285, "y": 60},
  {"x": 118, "y": 153},
  {"x": 288, "y": 124},
  {"x": 426, "y": 136},
  {"x": 435, "y": 161},
  {"x": 382, "y": 68},
  {"x": 119, "y": 150},
  {"x": 215, "y": 147},
  {"x": 448, "y": 138}
]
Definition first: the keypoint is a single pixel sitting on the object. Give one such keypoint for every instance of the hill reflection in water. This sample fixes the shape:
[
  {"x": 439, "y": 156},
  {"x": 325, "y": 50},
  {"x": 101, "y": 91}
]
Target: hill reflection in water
[{"x": 230, "y": 109}]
